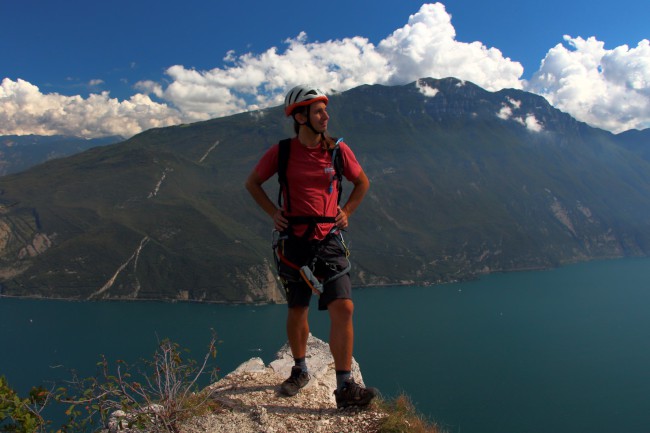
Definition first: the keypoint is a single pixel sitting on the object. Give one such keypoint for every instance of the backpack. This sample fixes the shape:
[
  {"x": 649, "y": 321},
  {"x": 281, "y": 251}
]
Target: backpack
[{"x": 283, "y": 161}]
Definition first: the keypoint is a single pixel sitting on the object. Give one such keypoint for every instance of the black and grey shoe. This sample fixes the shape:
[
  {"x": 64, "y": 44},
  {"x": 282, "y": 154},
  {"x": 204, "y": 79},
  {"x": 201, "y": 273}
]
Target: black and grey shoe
[
  {"x": 353, "y": 394},
  {"x": 295, "y": 382}
]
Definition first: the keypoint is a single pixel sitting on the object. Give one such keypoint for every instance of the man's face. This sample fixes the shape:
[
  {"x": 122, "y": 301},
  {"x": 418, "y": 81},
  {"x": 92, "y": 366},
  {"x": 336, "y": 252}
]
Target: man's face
[{"x": 318, "y": 116}]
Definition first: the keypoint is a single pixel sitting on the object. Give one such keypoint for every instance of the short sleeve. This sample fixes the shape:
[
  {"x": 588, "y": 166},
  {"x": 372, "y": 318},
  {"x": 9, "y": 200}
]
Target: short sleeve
[
  {"x": 268, "y": 164},
  {"x": 351, "y": 167}
]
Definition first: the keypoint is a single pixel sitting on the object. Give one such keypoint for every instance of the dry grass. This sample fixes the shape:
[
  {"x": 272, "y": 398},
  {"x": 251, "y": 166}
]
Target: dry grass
[{"x": 403, "y": 418}]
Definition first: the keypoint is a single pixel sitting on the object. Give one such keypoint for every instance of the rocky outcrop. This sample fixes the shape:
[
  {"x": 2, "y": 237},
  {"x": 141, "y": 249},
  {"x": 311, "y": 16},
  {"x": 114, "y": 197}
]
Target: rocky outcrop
[{"x": 251, "y": 403}]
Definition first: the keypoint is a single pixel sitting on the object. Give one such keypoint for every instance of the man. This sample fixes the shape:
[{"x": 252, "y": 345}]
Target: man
[{"x": 312, "y": 257}]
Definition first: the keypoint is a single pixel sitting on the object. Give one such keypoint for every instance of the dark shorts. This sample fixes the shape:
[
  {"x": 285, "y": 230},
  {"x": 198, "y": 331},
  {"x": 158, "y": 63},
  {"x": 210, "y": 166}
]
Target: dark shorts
[{"x": 331, "y": 260}]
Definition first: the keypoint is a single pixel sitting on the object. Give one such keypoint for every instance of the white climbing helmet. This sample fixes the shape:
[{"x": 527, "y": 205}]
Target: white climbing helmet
[{"x": 303, "y": 94}]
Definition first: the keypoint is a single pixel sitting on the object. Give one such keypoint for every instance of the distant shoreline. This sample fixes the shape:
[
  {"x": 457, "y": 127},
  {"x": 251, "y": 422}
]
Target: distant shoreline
[{"x": 469, "y": 277}]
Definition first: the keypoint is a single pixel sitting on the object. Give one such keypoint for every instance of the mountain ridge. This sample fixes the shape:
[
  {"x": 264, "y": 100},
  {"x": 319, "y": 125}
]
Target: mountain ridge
[
  {"x": 19, "y": 152},
  {"x": 463, "y": 182}
]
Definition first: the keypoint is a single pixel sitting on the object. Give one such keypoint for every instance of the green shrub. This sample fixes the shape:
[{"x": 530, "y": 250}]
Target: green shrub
[
  {"x": 155, "y": 398},
  {"x": 21, "y": 415}
]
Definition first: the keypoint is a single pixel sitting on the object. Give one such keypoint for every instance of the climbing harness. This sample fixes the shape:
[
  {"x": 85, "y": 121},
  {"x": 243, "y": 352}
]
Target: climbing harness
[{"x": 317, "y": 263}]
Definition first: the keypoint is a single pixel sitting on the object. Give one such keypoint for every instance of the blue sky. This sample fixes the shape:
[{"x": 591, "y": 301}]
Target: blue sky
[{"x": 95, "y": 68}]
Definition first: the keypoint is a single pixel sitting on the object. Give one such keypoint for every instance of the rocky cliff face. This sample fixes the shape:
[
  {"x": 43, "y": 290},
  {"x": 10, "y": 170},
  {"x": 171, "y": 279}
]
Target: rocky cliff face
[{"x": 251, "y": 404}]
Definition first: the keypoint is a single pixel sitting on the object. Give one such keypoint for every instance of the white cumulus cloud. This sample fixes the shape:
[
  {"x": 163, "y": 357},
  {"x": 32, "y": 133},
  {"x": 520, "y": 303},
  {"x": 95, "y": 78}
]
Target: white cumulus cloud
[
  {"x": 532, "y": 123},
  {"x": 425, "y": 47},
  {"x": 427, "y": 91},
  {"x": 505, "y": 112},
  {"x": 605, "y": 88},
  {"x": 509, "y": 111},
  {"x": 25, "y": 110}
]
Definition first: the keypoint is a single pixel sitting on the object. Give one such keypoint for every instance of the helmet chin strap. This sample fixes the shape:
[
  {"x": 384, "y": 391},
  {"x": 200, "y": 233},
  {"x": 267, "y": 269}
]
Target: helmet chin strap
[{"x": 309, "y": 125}]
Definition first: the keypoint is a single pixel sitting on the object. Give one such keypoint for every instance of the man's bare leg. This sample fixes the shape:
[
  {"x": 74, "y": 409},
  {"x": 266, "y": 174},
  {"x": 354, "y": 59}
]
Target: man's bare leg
[
  {"x": 298, "y": 330},
  {"x": 341, "y": 333},
  {"x": 348, "y": 392},
  {"x": 298, "y": 333}
]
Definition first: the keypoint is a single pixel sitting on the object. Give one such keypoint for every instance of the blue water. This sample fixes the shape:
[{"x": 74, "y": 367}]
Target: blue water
[{"x": 565, "y": 350}]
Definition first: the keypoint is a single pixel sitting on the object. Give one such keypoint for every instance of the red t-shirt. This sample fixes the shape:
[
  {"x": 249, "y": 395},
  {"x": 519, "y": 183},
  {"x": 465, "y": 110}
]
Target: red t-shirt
[{"x": 309, "y": 174}]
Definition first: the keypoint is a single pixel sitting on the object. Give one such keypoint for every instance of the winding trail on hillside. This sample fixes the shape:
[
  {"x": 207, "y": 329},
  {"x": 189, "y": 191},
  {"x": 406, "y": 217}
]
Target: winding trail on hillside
[
  {"x": 134, "y": 258},
  {"x": 208, "y": 151}
]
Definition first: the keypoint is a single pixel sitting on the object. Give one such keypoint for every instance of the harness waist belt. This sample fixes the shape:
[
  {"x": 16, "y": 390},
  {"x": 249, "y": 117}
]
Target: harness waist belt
[{"x": 310, "y": 219}]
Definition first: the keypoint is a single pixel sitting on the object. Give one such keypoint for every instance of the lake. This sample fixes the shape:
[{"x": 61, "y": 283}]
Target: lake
[{"x": 564, "y": 350}]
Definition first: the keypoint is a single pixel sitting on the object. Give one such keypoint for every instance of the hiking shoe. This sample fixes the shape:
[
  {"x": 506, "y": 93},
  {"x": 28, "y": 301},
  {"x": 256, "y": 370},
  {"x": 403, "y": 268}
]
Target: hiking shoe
[
  {"x": 295, "y": 382},
  {"x": 353, "y": 394}
]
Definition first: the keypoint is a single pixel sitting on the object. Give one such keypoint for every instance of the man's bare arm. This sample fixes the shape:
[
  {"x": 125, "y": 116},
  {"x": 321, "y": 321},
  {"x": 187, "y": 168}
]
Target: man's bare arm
[
  {"x": 361, "y": 185},
  {"x": 254, "y": 187}
]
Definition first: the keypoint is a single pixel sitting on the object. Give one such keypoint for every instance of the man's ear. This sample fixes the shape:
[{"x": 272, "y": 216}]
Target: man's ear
[{"x": 300, "y": 118}]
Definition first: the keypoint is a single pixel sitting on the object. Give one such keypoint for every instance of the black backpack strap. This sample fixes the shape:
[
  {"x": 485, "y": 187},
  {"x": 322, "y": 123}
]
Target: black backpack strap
[
  {"x": 337, "y": 163},
  {"x": 283, "y": 161}
]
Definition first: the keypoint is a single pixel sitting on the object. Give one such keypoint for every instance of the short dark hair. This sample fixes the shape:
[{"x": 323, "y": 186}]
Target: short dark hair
[{"x": 304, "y": 110}]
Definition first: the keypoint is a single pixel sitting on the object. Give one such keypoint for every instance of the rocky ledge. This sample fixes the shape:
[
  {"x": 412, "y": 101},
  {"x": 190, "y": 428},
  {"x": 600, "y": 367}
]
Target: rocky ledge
[{"x": 251, "y": 403}]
